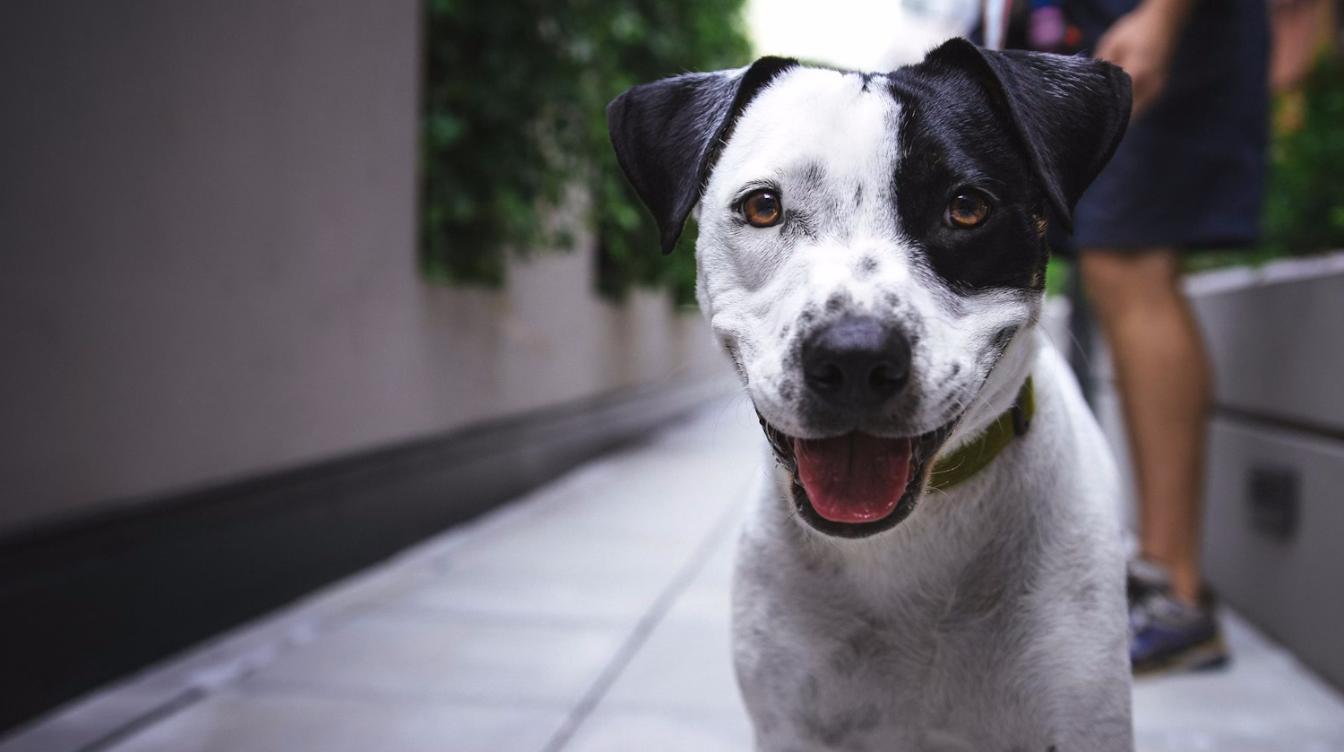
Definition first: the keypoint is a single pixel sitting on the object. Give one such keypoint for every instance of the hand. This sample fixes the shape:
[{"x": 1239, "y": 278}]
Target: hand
[{"x": 1142, "y": 42}]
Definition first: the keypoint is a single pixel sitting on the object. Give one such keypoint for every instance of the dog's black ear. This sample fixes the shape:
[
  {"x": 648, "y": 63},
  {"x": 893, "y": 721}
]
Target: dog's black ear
[
  {"x": 1069, "y": 112},
  {"x": 667, "y": 135}
]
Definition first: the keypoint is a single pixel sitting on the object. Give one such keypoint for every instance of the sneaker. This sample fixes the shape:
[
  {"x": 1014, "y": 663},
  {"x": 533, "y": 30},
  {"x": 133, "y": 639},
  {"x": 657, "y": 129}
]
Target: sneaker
[
  {"x": 1167, "y": 635},
  {"x": 1143, "y": 577}
]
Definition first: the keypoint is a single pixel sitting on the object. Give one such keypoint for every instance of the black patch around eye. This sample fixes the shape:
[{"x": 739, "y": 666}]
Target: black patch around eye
[{"x": 951, "y": 137}]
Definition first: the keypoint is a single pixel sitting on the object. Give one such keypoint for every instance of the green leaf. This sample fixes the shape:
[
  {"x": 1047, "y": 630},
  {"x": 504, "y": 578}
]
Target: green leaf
[{"x": 514, "y": 99}]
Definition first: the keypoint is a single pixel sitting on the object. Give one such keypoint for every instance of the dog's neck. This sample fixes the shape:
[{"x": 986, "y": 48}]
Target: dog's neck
[{"x": 1000, "y": 390}]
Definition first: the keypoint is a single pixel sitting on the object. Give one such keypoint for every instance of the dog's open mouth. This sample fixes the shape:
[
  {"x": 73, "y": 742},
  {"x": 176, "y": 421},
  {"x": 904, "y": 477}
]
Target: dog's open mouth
[{"x": 857, "y": 484}]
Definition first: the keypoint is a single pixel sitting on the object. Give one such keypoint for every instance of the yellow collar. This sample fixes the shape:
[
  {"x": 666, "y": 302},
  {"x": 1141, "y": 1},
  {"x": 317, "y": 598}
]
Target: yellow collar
[{"x": 970, "y": 459}]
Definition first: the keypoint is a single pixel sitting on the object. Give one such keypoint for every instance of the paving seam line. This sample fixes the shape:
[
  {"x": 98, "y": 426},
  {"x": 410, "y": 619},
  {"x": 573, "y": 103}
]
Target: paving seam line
[{"x": 641, "y": 631}]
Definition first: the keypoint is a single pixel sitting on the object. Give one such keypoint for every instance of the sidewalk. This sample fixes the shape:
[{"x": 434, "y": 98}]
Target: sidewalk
[{"x": 590, "y": 615}]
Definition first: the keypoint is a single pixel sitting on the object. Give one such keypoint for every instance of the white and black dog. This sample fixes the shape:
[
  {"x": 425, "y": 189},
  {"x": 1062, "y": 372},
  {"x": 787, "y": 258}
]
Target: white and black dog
[{"x": 935, "y": 560}]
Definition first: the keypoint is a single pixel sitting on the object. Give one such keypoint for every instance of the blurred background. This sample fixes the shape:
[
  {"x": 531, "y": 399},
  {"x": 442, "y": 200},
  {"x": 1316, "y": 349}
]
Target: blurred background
[{"x": 289, "y": 290}]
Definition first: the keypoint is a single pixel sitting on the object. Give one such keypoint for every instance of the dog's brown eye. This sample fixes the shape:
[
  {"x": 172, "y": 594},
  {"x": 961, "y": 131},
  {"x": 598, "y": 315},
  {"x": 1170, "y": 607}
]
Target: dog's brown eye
[
  {"x": 762, "y": 209},
  {"x": 967, "y": 209}
]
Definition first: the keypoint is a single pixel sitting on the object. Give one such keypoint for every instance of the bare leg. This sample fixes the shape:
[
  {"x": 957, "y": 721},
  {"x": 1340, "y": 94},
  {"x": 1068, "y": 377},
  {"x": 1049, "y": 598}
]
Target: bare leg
[{"x": 1165, "y": 388}]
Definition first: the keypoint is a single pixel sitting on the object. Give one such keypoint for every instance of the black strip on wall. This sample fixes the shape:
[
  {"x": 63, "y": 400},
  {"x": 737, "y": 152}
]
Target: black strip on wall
[
  {"x": 1266, "y": 420},
  {"x": 85, "y": 603}
]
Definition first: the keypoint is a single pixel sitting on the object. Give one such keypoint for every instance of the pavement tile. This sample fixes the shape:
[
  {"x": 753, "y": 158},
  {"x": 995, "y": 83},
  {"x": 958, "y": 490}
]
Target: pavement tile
[
  {"x": 613, "y": 730},
  {"x": 659, "y": 499},
  {"x": 391, "y": 655},
  {"x": 685, "y": 663},
  {"x": 616, "y": 596},
  {"x": 565, "y": 552},
  {"x": 231, "y": 722}
]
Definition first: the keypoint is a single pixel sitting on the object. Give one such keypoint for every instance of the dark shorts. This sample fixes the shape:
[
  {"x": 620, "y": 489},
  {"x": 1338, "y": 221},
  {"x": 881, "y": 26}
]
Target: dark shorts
[{"x": 1190, "y": 172}]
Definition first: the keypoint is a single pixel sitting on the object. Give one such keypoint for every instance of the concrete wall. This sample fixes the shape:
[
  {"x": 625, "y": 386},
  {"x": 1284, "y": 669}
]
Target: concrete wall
[{"x": 208, "y": 263}]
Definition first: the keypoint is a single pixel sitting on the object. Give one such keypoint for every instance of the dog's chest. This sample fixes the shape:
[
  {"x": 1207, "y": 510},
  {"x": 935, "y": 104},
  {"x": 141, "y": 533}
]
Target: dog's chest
[{"x": 929, "y": 676}]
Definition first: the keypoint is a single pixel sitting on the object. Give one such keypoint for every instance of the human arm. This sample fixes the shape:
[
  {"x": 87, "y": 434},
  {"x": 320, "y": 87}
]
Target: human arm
[{"x": 1143, "y": 42}]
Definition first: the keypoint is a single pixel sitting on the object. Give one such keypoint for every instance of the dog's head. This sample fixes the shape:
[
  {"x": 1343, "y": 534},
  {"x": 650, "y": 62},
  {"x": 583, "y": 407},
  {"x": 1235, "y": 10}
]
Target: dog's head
[{"x": 870, "y": 244}]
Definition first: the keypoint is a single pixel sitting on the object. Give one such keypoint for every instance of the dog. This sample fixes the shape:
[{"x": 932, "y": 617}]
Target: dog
[{"x": 934, "y": 559}]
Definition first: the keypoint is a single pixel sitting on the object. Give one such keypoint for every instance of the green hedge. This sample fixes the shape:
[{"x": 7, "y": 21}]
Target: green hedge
[
  {"x": 1304, "y": 210},
  {"x": 513, "y": 119}
]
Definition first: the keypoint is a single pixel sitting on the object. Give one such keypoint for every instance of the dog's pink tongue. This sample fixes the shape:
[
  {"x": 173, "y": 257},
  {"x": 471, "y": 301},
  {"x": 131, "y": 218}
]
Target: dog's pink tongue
[{"x": 853, "y": 478}]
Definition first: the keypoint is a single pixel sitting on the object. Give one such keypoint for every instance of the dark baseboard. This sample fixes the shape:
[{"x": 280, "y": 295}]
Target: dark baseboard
[{"x": 86, "y": 602}]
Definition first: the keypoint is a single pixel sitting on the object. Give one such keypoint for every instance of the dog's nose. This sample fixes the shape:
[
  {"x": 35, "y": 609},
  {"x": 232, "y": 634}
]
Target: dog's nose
[{"x": 856, "y": 362}]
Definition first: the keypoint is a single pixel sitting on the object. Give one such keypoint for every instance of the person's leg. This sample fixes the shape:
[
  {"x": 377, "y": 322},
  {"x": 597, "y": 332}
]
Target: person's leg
[{"x": 1165, "y": 388}]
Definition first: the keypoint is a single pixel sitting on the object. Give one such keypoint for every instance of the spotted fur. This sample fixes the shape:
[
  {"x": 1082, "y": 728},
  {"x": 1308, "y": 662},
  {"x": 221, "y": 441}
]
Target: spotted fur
[{"x": 991, "y": 617}]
